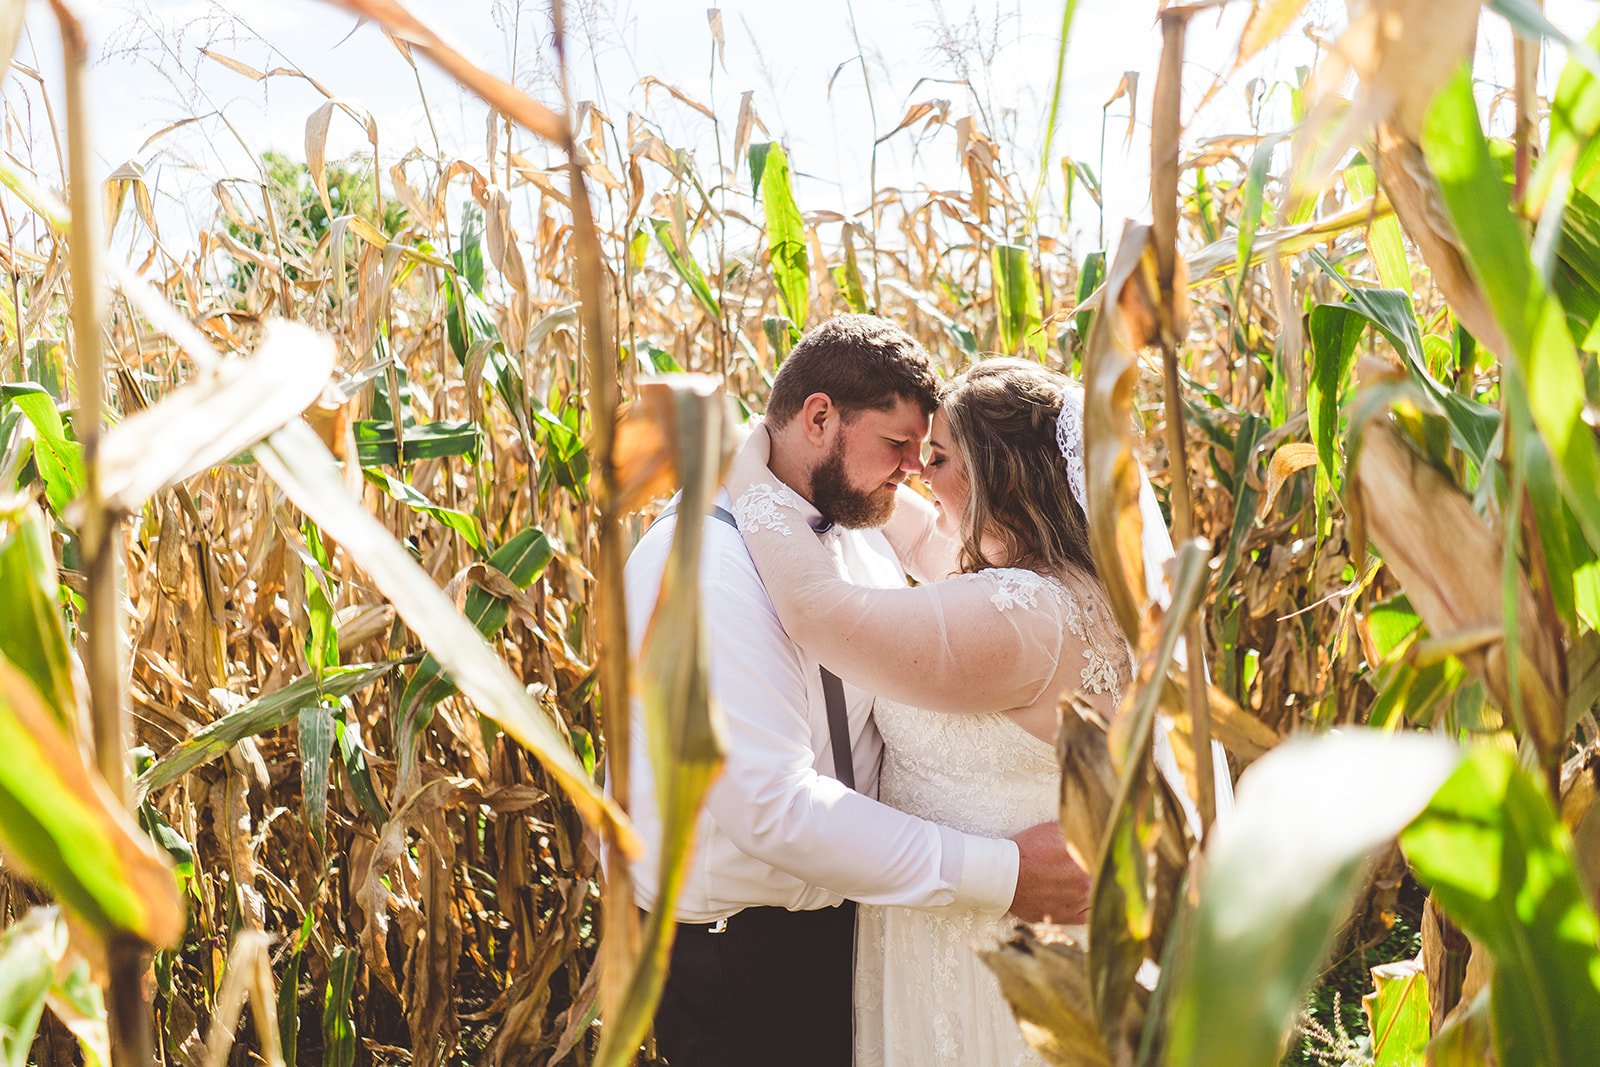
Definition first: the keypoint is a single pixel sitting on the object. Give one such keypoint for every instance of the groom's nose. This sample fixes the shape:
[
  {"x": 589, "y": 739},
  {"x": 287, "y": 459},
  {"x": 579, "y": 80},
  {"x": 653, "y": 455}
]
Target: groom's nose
[{"x": 911, "y": 458}]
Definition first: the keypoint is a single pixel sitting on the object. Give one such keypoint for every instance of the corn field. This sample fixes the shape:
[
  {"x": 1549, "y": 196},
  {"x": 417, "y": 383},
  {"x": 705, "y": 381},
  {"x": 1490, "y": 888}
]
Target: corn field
[{"x": 312, "y": 526}]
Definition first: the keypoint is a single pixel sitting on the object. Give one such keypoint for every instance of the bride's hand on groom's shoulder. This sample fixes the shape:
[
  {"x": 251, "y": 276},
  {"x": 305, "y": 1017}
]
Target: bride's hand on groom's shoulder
[
  {"x": 1050, "y": 885},
  {"x": 751, "y": 462}
]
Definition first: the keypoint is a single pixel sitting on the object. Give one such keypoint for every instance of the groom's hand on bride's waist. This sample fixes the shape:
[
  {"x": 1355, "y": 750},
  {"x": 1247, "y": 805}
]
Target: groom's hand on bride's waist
[{"x": 1049, "y": 884}]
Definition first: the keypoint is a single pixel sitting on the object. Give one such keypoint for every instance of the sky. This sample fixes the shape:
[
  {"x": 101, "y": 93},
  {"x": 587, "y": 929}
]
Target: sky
[{"x": 802, "y": 59}]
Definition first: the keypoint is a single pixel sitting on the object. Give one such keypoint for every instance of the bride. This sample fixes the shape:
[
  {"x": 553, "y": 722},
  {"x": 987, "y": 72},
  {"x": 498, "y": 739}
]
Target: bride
[{"x": 969, "y": 667}]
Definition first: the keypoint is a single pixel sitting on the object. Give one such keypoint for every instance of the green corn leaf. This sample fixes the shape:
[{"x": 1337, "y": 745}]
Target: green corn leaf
[
  {"x": 686, "y": 268},
  {"x": 30, "y": 948},
  {"x": 347, "y": 732},
  {"x": 1544, "y": 375},
  {"x": 1576, "y": 279},
  {"x": 522, "y": 560},
  {"x": 1254, "y": 203},
  {"x": 289, "y": 992},
  {"x": 316, "y": 718},
  {"x": 1252, "y": 428},
  {"x": 1394, "y": 624},
  {"x": 468, "y": 256},
  {"x": 1384, "y": 239},
  {"x": 1397, "y": 1014},
  {"x": 338, "y": 1016},
  {"x": 1472, "y": 424},
  {"x": 271, "y": 712},
  {"x": 848, "y": 276},
  {"x": 58, "y": 457},
  {"x": 1090, "y": 275},
  {"x": 316, "y": 752},
  {"x": 1499, "y": 863},
  {"x": 413, "y": 498},
  {"x": 786, "y": 232},
  {"x": 375, "y": 441},
  {"x": 1573, "y": 147},
  {"x": 1335, "y": 331},
  {"x": 322, "y": 634},
  {"x": 32, "y": 634},
  {"x": 564, "y": 460},
  {"x": 780, "y": 335},
  {"x": 1017, "y": 298}
]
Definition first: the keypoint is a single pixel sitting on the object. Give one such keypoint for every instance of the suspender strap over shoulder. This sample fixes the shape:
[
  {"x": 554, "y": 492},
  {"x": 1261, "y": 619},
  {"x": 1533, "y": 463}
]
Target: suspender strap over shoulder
[
  {"x": 838, "y": 728},
  {"x": 832, "y": 688}
]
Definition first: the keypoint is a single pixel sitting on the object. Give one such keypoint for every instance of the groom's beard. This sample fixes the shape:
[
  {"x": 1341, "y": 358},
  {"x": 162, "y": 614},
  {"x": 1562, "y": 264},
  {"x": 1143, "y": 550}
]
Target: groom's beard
[{"x": 842, "y": 503}]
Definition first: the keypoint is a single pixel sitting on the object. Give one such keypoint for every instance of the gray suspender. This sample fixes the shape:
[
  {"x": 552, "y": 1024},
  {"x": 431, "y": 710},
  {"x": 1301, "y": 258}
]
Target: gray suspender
[
  {"x": 838, "y": 728},
  {"x": 832, "y": 688}
]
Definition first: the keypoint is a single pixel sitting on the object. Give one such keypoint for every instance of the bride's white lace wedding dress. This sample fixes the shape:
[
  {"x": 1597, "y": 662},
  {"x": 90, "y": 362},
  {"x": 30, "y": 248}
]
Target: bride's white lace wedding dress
[
  {"x": 957, "y": 663},
  {"x": 923, "y": 995}
]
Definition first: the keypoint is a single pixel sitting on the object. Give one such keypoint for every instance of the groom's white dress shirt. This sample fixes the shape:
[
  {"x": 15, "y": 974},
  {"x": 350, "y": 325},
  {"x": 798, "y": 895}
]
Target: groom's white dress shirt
[{"x": 777, "y": 829}]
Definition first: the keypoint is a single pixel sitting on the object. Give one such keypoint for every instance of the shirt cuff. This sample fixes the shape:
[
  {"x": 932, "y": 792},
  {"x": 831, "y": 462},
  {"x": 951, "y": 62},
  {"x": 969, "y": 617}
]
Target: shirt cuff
[{"x": 985, "y": 870}]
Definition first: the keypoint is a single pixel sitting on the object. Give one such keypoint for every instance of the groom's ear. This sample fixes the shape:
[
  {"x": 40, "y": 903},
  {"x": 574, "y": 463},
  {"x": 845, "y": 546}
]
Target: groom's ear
[{"x": 818, "y": 419}]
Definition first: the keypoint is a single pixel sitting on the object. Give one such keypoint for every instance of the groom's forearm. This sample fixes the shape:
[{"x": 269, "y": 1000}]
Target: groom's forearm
[{"x": 819, "y": 831}]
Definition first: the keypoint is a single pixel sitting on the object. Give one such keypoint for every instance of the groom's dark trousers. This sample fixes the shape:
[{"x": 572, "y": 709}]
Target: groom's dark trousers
[{"x": 772, "y": 988}]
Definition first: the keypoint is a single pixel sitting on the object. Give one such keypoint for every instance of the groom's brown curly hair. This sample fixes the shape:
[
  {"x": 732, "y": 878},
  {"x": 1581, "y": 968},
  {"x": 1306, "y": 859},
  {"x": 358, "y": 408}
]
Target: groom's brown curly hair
[{"x": 860, "y": 362}]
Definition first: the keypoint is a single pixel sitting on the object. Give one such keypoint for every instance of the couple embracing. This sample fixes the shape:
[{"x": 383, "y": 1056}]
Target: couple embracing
[{"x": 889, "y": 800}]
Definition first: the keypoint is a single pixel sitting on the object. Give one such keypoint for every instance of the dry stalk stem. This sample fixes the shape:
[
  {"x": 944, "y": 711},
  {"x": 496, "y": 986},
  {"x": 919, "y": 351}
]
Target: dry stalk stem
[
  {"x": 620, "y": 944},
  {"x": 127, "y": 1007},
  {"x": 1166, "y": 128}
]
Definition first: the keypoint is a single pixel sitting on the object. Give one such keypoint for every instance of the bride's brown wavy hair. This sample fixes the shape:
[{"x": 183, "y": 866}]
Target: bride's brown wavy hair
[{"x": 1002, "y": 416}]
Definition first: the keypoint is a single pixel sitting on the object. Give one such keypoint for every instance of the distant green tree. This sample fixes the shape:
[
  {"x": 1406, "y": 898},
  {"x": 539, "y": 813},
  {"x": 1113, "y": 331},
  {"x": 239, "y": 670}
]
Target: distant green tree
[{"x": 302, "y": 220}]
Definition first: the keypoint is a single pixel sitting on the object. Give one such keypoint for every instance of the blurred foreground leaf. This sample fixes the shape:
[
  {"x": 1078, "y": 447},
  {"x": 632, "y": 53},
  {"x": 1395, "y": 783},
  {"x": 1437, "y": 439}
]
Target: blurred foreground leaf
[
  {"x": 682, "y": 725},
  {"x": 1500, "y": 865},
  {"x": 227, "y": 409},
  {"x": 61, "y": 826},
  {"x": 1280, "y": 876}
]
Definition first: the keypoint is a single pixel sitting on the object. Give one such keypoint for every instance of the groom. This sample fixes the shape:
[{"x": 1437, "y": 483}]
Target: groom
[{"x": 791, "y": 836}]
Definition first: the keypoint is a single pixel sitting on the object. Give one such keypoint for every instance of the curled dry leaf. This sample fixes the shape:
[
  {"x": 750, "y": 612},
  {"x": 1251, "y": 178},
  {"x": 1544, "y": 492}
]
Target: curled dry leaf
[
  {"x": 1110, "y": 372},
  {"x": 1443, "y": 554},
  {"x": 1088, "y": 779},
  {"x": 1289, "y": 458},
  {"x": 1043, "y": 973}
]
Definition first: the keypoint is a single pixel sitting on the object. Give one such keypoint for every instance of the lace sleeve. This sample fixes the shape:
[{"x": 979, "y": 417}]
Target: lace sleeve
[
  {"x": 913, "y": 533},
  {"x": 973, "y": 643}
]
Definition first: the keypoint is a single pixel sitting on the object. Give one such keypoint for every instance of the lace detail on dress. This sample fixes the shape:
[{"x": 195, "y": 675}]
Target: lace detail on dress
[
  {"x": 1109, "y": 661},
  {"x": 1017, "y": 588},
  {"x": 760, "y": 508},
  {"x": 924, "y": 996}
]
